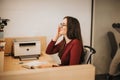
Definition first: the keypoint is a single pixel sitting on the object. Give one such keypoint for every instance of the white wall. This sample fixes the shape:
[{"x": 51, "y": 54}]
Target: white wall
[{"x": 41, "y": 17}]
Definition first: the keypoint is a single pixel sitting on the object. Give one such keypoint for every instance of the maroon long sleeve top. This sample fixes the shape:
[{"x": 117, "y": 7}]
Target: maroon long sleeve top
[{"x": 71, "y": 52}]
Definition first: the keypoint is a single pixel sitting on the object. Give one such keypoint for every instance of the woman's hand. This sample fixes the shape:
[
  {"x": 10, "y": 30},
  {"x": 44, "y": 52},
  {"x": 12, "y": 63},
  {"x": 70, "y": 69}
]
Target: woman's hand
[
  {"x": 58, "y": 34},
  {"x": 47, "y": 66},
  {"x": 55, "y": 65}
]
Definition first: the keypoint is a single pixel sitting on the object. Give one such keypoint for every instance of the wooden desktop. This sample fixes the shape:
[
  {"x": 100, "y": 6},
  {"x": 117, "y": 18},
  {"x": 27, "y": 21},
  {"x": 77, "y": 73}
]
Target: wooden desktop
[
  {"x": 14, "y": 64},
  {"x": 2, "y": 48}
]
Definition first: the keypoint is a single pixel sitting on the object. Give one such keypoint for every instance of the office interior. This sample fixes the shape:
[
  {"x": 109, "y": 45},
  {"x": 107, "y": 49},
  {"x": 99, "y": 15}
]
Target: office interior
[{"x": 33, "y": 18}]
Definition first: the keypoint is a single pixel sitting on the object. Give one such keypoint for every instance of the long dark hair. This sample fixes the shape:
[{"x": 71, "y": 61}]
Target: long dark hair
[
  {"x": 73, "y": 31},
  {"x": 73, "y": 28}
]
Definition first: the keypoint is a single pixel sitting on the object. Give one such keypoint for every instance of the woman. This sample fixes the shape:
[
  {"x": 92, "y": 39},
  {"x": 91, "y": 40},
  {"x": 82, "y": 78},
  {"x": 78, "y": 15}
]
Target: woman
[{"x": 71, "y": 47}]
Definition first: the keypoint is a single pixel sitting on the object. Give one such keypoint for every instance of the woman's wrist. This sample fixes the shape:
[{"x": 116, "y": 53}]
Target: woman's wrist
[{"x": 55, "y": 38}]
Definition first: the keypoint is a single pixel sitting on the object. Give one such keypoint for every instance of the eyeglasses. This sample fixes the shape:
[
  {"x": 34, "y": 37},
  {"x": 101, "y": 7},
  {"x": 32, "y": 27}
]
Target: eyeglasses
[{"x": 62, "y": 24}]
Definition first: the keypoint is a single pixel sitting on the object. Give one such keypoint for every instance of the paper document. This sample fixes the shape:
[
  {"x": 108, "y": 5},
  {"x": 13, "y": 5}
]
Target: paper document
[{"x": 34, "y": 64}]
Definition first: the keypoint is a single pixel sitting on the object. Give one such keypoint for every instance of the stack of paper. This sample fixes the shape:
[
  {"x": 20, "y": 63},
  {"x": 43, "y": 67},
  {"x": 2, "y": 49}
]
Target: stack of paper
[{"x": 34, "y": 64}]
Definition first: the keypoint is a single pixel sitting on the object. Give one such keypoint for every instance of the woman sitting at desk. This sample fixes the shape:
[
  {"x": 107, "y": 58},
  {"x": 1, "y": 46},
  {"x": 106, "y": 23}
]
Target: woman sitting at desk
[{"x": 70, "y": 47}]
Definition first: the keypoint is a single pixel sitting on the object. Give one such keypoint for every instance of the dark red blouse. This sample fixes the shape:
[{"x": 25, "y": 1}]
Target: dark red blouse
[{"x": 71, "y": 53}]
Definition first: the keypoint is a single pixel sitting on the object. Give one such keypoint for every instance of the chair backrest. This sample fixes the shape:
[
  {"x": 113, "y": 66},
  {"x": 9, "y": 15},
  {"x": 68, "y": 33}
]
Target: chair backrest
[
  {"x": 113, "y": 43},
  {"x": 87, "y": 54}
]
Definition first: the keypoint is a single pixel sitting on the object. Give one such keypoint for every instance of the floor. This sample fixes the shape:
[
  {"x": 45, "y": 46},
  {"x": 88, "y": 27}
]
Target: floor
[
  {"x": 103, "y": 77},
  {"x": 100, "y": 77}
]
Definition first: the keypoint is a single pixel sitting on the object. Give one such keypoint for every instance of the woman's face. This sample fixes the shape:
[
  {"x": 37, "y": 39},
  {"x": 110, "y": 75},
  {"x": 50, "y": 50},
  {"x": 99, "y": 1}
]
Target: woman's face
[{"x": 63, "y": 27}]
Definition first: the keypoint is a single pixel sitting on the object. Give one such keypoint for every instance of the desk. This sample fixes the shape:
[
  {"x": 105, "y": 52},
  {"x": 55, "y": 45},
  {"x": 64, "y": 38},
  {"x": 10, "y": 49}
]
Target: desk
[
  {"x": 1, "y": 61},
  {"x": 14, "y": 64},
  {"x": 14, "y": 71},
  {"x": 76, "y": 72},
  {"x": 2, "y": 47}
]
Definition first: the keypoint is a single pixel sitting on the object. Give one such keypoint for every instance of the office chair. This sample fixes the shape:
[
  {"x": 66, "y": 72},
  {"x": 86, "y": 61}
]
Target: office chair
[
  {"x": 113, "y": 43},
  {"x": 114, "y": 48},
  {"x": 87, "y": 54}
]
